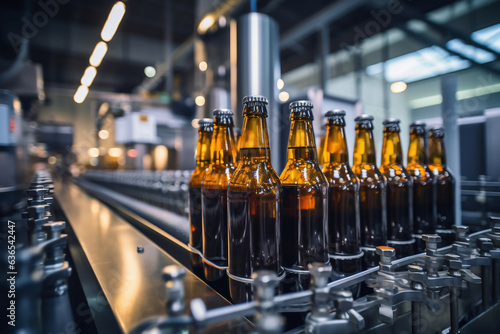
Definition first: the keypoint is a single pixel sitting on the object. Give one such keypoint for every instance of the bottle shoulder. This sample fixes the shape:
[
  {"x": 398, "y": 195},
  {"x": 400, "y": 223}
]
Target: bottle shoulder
[
  {"x": 339, "y": 174},
  {"x": 218, "y": 176},
  {"x": 419, "y": 172},
  {"x": 197, "y": 176},
  {"x": 441, "y": 171},
  {"x": 395, "y": 173},
  {"x": 302, "y": 172},
  {"x": 254, "y": 177}
]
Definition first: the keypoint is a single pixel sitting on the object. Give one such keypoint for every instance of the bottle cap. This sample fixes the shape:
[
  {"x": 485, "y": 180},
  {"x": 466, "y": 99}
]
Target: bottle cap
[
  {"x": 417, "y": 124},
  {"x": 391, "y": 121},
  {"x": 363, "y": 118},
  {"x": 223, "y": 112},
  {"x": 302, "y": 103},
  {"x": 205, "y": 121},
  {"x": 335, "y": 113},
  {"x": 437, "y": 132},
  {"x": 250, "y": 99}
]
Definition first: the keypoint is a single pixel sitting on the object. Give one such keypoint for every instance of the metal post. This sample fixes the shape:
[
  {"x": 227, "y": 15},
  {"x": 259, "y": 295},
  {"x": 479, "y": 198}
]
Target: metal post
[
  {"x": 452, "y": 135},
  {"x": 258, "y": 69}
]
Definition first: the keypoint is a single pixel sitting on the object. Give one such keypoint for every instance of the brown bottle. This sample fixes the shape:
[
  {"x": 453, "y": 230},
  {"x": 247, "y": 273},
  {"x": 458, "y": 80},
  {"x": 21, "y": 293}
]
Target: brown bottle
[
  {"x": 372, "y": 196},
  {"x": 237, "y": 140},
  {"x": 424, "y": 185},
  {"x": 321, "y": 147},
  {"x": 205, "y": 131},
  {"x": 445, "y": 187},
  {"x": 343, "y": 198},
  {"x": 304, "y": 225},
  {"x": 214, "y": 195},
  {"x": 399, "y": 192},
  {"x": 253, "y": 204}
]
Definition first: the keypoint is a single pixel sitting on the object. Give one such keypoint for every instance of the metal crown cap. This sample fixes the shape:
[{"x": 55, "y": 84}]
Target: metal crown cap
[
  {"x": 205, "y": 121},
  {"x": 302, "y": 103},
  {"x": 223, "y": 112},
  {"x": 437, "y": 132},
  {"x": 391, "y": 121},
  {"x": 417, "y": 124},
  {"x": 255, "y": 98},
  {"x": 364, "y": 118},
  {"x": 335, "y": 113}
]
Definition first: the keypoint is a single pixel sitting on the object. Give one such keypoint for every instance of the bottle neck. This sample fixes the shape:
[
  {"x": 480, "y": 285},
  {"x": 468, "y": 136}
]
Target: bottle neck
[
  {"x": 301, "y": 144},
  {"x": 335, "y": 148},
  {"x": 416, "y": 150},
  {"x": 222, "y": 146},
  {"x": 392, "y": 154},
  {"x": 437, "y": 154},
  {"x": 364, "y": 147},
  {"x": 203, "y": 149},
  {"x": 255, "y": 139}
]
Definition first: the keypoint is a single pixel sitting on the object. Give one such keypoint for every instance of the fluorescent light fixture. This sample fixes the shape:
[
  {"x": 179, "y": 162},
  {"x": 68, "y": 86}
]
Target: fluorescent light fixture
[
  {"x": 203, "y": 66},
  {"x": 284, "y": 96},
  {"x": 88, "y": 76},
  {"x": 113, "y": 21},
  {"x": 280, "y": 83},
  {"x": 99, "y": 51},
  {"x": 205, "y": 24},
  {"x": 149, "y": 71},
  {"x": 398, "y": 87},
  {"x": 199, "y": 100},
  {"x": 479, "y": 55},
  {"x": 81, "y": 94}
]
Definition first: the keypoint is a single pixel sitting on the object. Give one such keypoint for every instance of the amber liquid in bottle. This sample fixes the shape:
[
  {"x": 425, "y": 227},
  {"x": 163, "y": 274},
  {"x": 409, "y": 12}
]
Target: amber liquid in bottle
[
  {"x": 424, "y": 185},
  {"x": 372, "y": 191},
  {"x": 399, "y": 192},
  {"x": 253, "y": 204},
  {"x": 195, "y": 217},
  {"x": 445, "y": 187},
  {"x": 304, "y": 225},
  {"x": 214, "y": 195},
  {"x": 343, "y": 198}
]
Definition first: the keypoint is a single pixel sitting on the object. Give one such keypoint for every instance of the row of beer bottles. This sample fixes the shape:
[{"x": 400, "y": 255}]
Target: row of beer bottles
[{"x": 235, "y": 211}]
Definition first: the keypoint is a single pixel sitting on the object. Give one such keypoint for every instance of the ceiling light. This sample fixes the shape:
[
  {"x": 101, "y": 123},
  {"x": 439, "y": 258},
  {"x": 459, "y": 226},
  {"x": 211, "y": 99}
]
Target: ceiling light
[
  {"x": 200, "y": 101},
  {"x": 280, "y": 84},
  {"x": 104, "y": 134},
  {"x": 398, "y": 87},
  {"x": 194, "y": 123},
  {"x": 93, "y": 152},
  {"x": 150, "y": 71},
  {"x": 205, "y": 24},
  {"x": 113, "y": 21},
  {"x": 115, "y": 152},
  {"x": 88, "y": 76},
  {"x": 99, "y": 51},
  {"x": 81, "y": 94},
  {"x": 203, "y": 66},
  {"x": 284, "y": 96}
]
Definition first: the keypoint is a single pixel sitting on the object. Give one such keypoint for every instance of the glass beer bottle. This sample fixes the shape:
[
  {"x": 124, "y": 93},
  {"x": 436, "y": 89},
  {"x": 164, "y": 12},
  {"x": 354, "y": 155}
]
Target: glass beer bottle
[
  {"x": 372, "y": 196},
  {"x": 445, "y": 187},
  {"x": 304, "y": 225},
  {"x": 343, "y": 198},
  {"x": 424, "y": 185},
  {"x": 399, "y": 192},
  {"x": 253, "y": 205},
  {"x": 205, "y": 131},
  {"x": 214, "y": 195}
]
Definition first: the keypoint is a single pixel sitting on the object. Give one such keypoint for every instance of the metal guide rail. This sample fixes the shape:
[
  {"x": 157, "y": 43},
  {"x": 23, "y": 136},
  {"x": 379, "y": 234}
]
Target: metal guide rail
[{"x": 452, "y": 289}]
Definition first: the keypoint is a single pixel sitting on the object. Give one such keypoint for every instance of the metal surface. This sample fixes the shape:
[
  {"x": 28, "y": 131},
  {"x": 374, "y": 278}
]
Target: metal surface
[
  {"x": 258, "y": 69},
  {"x": 452, "y": 136},
  {"x": 129, "y": 284}
]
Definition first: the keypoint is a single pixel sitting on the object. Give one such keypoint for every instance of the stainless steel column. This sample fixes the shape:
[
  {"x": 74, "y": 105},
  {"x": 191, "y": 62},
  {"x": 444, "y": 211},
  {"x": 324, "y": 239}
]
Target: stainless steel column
[
  {"x": 452, "y": 136},
  {"x": 258, "y": 70}
]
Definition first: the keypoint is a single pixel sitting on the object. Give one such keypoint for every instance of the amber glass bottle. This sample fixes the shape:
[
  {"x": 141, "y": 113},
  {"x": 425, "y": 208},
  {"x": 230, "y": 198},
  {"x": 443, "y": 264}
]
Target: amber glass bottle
[
  {"x": 214, "y": 195},
  {"x": 205, "y": 131},
  {"x": 343, "y": 198},
  {"x": 237, "y": 140},
  {"x": 372, "y": 191},
  {"x": 304, "y": 227},
  {"x": 399, "y": 192},
  {"x": 253, "y": 204},
  {"x": 424, "y": 185},
  {"x": 321, "y": 146},
  {"x": 445, "y": 186}
]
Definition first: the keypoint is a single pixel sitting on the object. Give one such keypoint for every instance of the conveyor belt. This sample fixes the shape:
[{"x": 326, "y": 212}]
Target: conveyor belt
[{"x": 117, "y": 280}]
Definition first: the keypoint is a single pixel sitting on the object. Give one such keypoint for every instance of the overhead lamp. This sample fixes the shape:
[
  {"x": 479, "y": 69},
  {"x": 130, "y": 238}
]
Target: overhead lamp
[
  {"x": 205, "y": 24},
  {"x": 93, "y": 152},
  {"x": 81, "y": 94},
  {"x": 104, "y": 134},
  {"x": 284, "y": 96},
  {"x": 99, "y": 51},
  {"x": 149, "y": 71},
  {"x": 398, "y": 87},
  {"x": 113, "y": 21},
  {"x": 88, "y": 76},
  {"x": 115, "y": 152},
  {"x": 203, "y": 66},
  {"x": 280, "y": 83}
]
